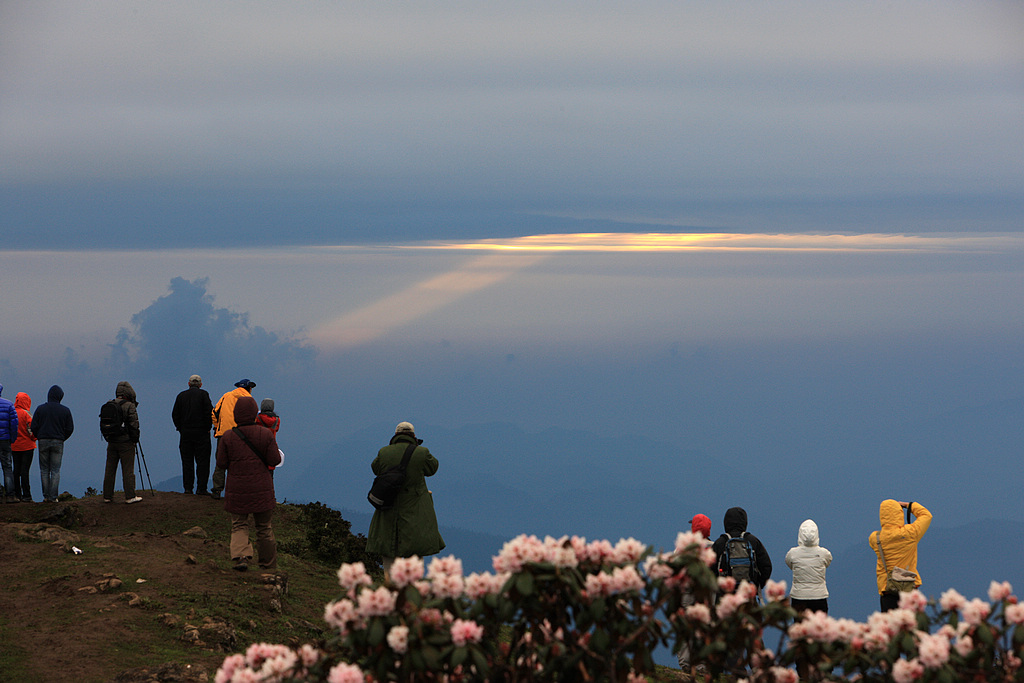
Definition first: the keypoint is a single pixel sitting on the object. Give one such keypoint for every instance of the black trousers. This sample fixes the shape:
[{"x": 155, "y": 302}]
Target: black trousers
[{"x": 194, "y": 446}]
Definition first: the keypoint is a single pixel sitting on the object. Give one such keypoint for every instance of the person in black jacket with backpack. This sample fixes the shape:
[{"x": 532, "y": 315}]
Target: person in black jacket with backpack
[{"x": 735, "y": 544}]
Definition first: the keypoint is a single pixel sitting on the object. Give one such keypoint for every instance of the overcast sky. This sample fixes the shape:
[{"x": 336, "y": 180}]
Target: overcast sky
[
  {"x": 126, "y": 123},
  {"x": 785, "y": 235}
]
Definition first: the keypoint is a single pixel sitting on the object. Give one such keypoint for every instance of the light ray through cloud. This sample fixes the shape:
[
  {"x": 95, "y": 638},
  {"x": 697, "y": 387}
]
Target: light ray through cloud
[{"x": 374, "y": 320}]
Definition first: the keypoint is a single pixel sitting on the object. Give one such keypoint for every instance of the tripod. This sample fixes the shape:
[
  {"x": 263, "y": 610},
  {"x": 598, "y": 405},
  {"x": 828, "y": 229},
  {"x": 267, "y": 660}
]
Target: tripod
[{"x": 141, "y": 458}]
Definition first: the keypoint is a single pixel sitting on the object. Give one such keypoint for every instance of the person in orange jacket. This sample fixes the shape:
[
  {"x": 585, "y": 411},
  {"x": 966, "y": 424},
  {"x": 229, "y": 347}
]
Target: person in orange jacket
[{"x": 23, "y": 448}]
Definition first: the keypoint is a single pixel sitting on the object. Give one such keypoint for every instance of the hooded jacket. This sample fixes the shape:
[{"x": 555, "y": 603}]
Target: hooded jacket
[
  {"x": 224, "y": 412},
  {"x": 124, "y": 394},
  {"x": 25, "y": 440},
  {"x": 735, "y": 524},
  {"x": 899, "y": 540},
  {"x": 250, "y": 487},
  {"x": 410, "y": 526},
  {"x": 51, "y": 420},
  {"x": 808, "y": 560},
  {"x": 8, "y": 419}
]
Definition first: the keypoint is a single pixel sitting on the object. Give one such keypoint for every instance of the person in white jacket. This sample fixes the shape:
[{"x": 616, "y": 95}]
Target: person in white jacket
[{"x": 808, "y": 560}]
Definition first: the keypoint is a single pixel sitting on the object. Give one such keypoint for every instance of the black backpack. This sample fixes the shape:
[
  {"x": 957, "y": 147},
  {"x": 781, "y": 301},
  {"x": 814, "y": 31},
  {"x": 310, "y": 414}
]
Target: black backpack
[
  {"x": 112, "y": 420},
  {"x": 738, "y": 559},
  {"x": 388, "y": 483}
]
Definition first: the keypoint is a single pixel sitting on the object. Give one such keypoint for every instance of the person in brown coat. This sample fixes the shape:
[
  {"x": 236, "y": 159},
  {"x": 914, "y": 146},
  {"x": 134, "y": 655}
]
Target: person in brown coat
[{"x": 246, "y": 452}]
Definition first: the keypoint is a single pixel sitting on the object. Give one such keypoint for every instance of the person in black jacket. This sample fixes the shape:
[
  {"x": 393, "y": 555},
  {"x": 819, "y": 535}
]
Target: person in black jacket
[
  {"x": 121, "y": 447},
  {"x": 192, "y": 415},
  {"x": 735, "y": 526},
  {"x": 52, "y": 425}
]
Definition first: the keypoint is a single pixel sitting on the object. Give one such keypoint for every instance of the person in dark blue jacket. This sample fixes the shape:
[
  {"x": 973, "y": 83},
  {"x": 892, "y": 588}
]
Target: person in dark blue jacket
[
  {"x": 52, "y": 425},
  {"x": 8, "y": 433}
]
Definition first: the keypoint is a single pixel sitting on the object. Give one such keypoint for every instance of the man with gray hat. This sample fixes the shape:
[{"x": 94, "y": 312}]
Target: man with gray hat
[
  {"x": 193, "y": 416},
  {"x": 223, "y": 420}
]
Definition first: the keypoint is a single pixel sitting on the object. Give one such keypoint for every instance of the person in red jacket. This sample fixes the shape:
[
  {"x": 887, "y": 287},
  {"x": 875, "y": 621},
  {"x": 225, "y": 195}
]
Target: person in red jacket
[
  {"x": 245, "y": 452},
  {"x": 23, "y": 447}
]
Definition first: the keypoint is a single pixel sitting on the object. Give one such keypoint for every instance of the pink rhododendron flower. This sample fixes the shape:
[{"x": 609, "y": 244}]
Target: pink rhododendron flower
[
  {"x": 952, "y": 601},
  {"x": 276, "y": 668},
  {"x": 464, "y": 631},
  {"x": 634, "y": 677},
  {"x": 775, "y": 590},
  {"x": 933, "y": 650},
  {"x": 345, "y": 673},
  {"x": 688, "y": 539},
  {"x": 309, "y": 655},
  {"x": 964, "y": 645},
  {"x": 340, "y": 614},
  {"x": 656, "y": 567},
  {"x": 444, "y": 566},
  {"x": 479, "y": 585},
  {"x": 629, "y": 550},
  {"x": 256, "y": 653},
  {"x": 726, "y": 584},
  {"x": 228, "y": 667},
  {"x": 447, "y": 586},
  {"x": 398, "y": 639},
  {"x": 998, "y": 592},
  {"x": 914, "y": 600},
  {"x": 378, "y": 603},
  {"x": 352, "y": 575},
  {"x": 747, "y": 590},
  {"x": 406, "y": 570},
  {"x": 699, "y": 612},
  {"x": 728, "y": 604},
  {"x": 976, "y": 611},
  {"x": 246, "y": 675},
  {"x": 1015, "y": 614},
  {"x": 784, "y": 675},
  {"x": 432, "y": 617},
  {"x": 598, "y": 551},
  {"x": 906, "y": 670}
]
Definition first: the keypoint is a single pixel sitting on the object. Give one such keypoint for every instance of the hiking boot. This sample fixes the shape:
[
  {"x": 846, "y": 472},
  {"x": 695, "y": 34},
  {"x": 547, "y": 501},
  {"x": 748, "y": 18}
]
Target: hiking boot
[
  {"x": 241, "y": 566},
  {"x": 215, "y": 495},
  {"x": 136, "y": 499}
]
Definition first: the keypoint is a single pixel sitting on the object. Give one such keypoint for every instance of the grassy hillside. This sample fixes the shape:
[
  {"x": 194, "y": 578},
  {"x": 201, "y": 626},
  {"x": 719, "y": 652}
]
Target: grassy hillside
[
  {"x": 152, "y": 586},
  {"x": 152, "y": 596}
]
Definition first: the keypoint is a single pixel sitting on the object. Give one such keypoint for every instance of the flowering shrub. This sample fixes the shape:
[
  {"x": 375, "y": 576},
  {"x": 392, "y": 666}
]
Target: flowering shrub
[{"x": 571, "y": 610}]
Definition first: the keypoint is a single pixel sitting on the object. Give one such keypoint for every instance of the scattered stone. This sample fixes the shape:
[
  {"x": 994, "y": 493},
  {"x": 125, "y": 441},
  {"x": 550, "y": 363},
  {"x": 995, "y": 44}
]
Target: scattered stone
[
  {"x": 191, "y": 559},
  {"x": 195, "y": 532},
  {"x": 109, "y": 583},
  {"x": 169, "y": 620},
  {"x": 133, "y": 599},
  {"x": 165, "y": 673},
  {"x": 89, "y": 589}
]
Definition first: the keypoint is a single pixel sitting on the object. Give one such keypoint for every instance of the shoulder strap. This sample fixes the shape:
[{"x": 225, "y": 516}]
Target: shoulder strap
[
  {"x": 881, "y": 552},
  {"x": 248, "y": 443},
  {"x": 407, "y": 455}
]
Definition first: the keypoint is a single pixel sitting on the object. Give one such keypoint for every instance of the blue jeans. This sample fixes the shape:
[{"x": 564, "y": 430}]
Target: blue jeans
[
  {"x": 51, "y": 453},
  {"x": 7, "y": 462}
]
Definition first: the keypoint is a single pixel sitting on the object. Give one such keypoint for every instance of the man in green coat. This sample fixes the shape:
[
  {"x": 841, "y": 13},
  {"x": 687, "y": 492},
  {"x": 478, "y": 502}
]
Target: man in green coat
[{"x": 409, "y": 527}]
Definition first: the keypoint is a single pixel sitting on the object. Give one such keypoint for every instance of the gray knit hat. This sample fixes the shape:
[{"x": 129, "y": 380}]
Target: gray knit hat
[{"x": 404, "y": 428}]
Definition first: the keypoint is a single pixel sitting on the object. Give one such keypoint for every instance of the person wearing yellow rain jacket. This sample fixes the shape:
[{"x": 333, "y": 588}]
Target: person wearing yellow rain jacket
[{"x": 899, "y": 542}]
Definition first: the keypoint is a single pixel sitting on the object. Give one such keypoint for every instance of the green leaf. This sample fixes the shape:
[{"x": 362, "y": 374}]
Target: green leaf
[
  {"x": 375, "y": 634},
  {"x": 525, "y": 584},
  {"x": 459, "y": 656}
]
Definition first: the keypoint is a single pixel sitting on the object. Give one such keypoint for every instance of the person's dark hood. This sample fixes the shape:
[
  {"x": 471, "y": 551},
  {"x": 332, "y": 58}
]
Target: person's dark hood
[
  {"x": 124, "y": 390},
  {"x": 246, "y": 411},
  {"x": 735, "y": 521},
  {"x": 55, "y": 394}
]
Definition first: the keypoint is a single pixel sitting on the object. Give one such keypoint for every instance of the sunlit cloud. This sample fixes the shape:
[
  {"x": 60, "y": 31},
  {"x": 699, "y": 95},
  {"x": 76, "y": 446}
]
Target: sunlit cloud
[{"x": 612, "y": 241}]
